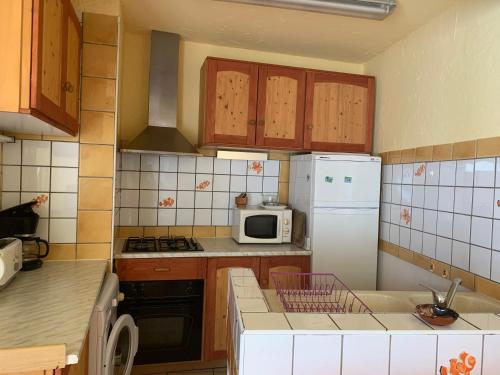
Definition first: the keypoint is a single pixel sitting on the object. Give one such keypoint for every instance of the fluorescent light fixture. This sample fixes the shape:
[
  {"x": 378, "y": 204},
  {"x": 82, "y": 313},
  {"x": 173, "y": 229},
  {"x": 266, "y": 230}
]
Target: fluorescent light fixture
[
  {"x": 373, "y": 9},
  {"x": 241, "y": 155},
  {"x": 6, "y": 139}
]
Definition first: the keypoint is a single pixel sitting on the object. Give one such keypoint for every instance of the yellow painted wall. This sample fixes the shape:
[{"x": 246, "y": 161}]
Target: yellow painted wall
[
  {"x": 441, "y": 83},
  {"x": 135, "y": 70}
]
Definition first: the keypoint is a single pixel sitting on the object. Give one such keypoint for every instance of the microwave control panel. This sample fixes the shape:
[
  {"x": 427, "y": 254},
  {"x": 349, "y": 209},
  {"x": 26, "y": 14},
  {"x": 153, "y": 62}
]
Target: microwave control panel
[{"x": 286, "y": 226}]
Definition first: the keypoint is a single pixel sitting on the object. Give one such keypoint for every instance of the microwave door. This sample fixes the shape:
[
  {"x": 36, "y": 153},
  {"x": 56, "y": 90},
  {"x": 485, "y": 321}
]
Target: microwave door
[{"x": 262, "y": 228}]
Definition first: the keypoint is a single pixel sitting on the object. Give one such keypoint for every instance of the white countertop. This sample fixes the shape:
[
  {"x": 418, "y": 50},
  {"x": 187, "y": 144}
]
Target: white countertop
[
  {"x": 51, "y": 305},
  {"x": 218, "y": 247}
]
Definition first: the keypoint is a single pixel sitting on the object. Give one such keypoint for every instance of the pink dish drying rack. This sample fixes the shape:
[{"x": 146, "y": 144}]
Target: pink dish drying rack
[{"x": 316, "y": 293}]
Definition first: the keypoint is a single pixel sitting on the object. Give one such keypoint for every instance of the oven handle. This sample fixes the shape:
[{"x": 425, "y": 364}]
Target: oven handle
[{"x": 162, "y": 269}]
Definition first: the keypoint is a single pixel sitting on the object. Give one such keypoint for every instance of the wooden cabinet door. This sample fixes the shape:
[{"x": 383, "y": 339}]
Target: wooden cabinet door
[
  {"x": 281, "y": 264},
  {"x": 216, "y": 302},
  {"x": 47, "y": 95},
  {"x": 231, "y": 102},
  {"x": 339, "y": 112},
  {"x": 71, "y": 83},
  {"x": 280, "y": 110}
]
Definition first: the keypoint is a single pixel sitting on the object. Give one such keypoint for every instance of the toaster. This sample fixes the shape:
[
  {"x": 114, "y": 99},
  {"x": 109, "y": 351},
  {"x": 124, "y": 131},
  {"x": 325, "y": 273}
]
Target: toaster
[{"x": 11, "y": 259}]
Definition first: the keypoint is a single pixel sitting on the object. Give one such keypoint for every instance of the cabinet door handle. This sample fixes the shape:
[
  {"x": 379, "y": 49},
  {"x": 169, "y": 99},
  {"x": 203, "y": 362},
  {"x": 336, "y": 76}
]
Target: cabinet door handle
[
  {"x": 252, "y": 122},
  {"x": 310, "y": 126},
  {"x": 162, "y": 269}
]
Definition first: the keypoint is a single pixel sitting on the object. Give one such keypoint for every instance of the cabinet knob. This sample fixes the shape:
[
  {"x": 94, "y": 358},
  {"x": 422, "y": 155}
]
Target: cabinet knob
[
  {"x": 252, "y": 122},
  {"x": 310, "y": 126},
  {"x": 68, "y": 87}
]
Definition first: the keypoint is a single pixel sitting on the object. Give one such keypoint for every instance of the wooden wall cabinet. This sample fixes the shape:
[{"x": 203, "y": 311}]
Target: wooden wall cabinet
[
  {"x": 247, "y": 104},
  {"x": 281, "y": 264},
  {"x": 40, "y": 75}
]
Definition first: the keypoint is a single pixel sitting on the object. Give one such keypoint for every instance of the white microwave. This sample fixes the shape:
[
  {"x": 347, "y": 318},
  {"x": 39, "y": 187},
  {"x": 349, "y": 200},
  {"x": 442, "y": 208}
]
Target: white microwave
[{"x": 259, "y": 225}]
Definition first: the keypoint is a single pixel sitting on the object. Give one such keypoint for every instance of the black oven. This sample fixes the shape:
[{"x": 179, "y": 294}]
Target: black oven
[{"x": 169, "y": 315}]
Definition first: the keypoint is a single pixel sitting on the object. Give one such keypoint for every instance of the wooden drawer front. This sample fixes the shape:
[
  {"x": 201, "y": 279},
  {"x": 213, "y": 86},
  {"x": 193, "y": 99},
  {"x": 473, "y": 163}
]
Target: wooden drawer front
[{"x": 161, "y": 269}]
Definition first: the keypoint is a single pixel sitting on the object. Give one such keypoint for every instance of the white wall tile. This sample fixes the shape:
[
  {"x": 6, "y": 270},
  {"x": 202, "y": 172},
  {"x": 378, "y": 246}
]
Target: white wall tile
[
  {"x": 204, "y": 182},
  {"x": 43, "y": 209},
  {"x": 164, "y": 195},
  {"x": 221, "y": 182},
  {"x": 430, "y": 221},
  {"x": 397, "y": 173},
  {"x": 187, "y": 164},
  {"x": 451, "y": 346},
  {"x": 205, "y": 165},
  {"x": 375, "y": 353},
  {"x": 496, "y": 204},
  {"x": 404, "y": 237},
  {"x": 238, "y": 183},
  {"x": 268, "y": 354},
  {"x": 386, "y": 193},
  {"x": 185, "y": 199},
  {"x": 447, "y": 172},
  {"x": 394, "y": 234},
  {"x": 431, "y": 197},
  {"x": 416, "y": 241},
  {"x": 130, "y": 161},
  {"x": 203, "y": 199},
  {"x": 495, "y": 266},
  {"x": 465, "y": 173},
  {"x": 63, "y": 205},
  {"x": 463, "y": 200},
  {"x": 491, "y": 359},
  {"x": 271, "y": 168},
  {"x": 480, "y": 261},
  {"x": 150, "y": 163},
  {"x": 387, "y": 173},
  {"x": 481, "y": 231},
  {"x": 496, "y": 235},
  {"x": 239, "y": 167},
  {"x": 270, "y": 185},
  {"x": 255, "y": 168},
  {"x": 254, "y": 184},
  {"x": 407, "y": 174},
  {"x": 222, "y": 166},
  {"x": 186, "y": 181},
  {"x": 406, "y": 192},
  {"x": 443, "y": 250},
  {"x": 317, "y": 354},
  {"x": 445, "y": 224},
  {"x": 202, "y": 216},
  {"x": 62, "y": 231},
  {"x": 148, "y": 216},
  {"x": 35, "y": 179},
  {"x": 395, "y": 214},
  {"x": 221, "y": 200},
  {"x": 484, "y": 172},
  {"x": 149, "y": 180},
  {"x": 168, "y": 163},
  {"x": 405, "y": 215},
  {"x": 432, "y": 173},
  {"x": 385, "y": 212},
  {"x": 396, "y": 194},
  {"x": 482, "y": 202},
  {"x": 460, "y": 255},
  {"x": 168, "y": 181},
  {"x": 10, "y": 200},
  {"x": 64, "y": 180},
  {"x": 385, "y": 231},
  {"x": 11, "y": 180},
  {"x": 403, "y": 357},
  {"x": 11, "y": 153},
  {"x": 129, "y": 198},
  {"x": 418, "y": 195},
  {"x": 220, "y": 217},
  {"x": 185, "y": 216},
  {"x": 429, "y": 245},
  {"x": 446, "y": 198},
  {"x": 129, "y": 180},
  {"x": 148, "y": 199},
  {"x": 417, "y": 218},
  {"x": 129, "y": 216},
  {"x": 461, "y": 227},
  {"x": 418, "y": 173},
  {"x": 166, "y": 216},
  {"x": 36, "y": 153},
  {"x": 65, "y": 154}
]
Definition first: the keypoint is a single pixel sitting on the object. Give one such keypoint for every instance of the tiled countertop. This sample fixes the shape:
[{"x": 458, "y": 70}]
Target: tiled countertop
[
  {"x": 218, "y": 247},
  {"x": 51, "y": 306}
]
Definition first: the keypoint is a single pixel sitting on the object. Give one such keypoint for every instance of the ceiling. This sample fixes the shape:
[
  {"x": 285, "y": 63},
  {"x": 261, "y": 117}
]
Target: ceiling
[{"x": 280, "y": 30}]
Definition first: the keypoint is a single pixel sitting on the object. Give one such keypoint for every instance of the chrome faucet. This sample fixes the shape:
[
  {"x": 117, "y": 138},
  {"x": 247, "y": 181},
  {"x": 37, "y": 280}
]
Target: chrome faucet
[{"x": 440, "y": 298}]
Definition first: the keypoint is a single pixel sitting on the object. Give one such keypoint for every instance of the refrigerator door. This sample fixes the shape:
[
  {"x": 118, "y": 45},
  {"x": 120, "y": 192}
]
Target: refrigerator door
[
  {"x": 344, "y": 242},
  {"x": 346, "y": 183}
]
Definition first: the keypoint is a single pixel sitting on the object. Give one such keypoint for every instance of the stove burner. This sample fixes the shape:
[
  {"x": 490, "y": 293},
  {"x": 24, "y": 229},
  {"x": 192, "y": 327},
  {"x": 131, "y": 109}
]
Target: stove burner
[{"x": 162, "y": 244}]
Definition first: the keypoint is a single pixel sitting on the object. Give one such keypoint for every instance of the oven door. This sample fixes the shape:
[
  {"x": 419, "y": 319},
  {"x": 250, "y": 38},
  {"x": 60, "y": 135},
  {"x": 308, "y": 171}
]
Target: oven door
[
  {"x": 261, "y": 228},
  {"x": 169, "y": 330},
  {"x": 121, "y": 347}
]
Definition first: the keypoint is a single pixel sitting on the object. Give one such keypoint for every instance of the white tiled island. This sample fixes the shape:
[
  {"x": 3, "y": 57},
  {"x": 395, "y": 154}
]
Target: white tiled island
[{"x": 262, "y": 342}]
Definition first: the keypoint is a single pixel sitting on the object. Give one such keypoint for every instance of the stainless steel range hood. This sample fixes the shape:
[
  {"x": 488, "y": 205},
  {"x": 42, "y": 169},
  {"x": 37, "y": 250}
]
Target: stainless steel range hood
[{"x": 161, "y": 136}]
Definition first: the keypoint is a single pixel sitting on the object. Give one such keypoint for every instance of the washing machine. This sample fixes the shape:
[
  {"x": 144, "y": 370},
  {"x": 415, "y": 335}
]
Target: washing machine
[{"x": 112, "y": 341}]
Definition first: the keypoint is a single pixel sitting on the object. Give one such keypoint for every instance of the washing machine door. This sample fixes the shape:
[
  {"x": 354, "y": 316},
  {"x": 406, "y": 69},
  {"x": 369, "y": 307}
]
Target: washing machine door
[{"x": 121, "y": 347}]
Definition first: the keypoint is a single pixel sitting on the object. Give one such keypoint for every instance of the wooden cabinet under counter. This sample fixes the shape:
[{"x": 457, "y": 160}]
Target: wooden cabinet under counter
[
  {"x": 161, "y": 269},
  {"x": 40, "y": 77}
]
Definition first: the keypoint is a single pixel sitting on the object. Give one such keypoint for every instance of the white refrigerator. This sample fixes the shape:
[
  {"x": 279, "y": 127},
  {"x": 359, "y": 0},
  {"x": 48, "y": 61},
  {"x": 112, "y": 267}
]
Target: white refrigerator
[{"x": 339, "y": 194}]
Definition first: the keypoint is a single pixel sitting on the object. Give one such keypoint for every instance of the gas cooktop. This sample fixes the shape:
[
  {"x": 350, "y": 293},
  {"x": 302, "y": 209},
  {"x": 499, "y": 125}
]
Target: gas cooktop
[{"x": 161, "y": 244}]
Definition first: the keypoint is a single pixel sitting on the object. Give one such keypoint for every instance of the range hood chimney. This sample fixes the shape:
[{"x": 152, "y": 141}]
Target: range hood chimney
[{"x": 161, "y": 136}]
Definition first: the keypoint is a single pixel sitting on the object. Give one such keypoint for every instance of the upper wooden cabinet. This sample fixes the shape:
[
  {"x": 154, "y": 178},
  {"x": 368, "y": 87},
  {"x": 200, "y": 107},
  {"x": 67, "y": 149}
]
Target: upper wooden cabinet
[
  {"x": 289, "y": 108},
  {"x": 339, "y": 112},
  {"x": 40, "y": 76}
]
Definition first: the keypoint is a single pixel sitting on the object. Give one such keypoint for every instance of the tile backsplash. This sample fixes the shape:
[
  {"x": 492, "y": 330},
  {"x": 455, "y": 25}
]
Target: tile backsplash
[
  {"x": 47, "y": 170},
  {"x": 187, "y": 190},
  {"x": 445, "y": 210}
]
